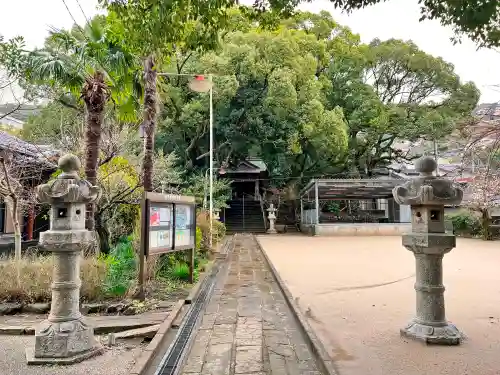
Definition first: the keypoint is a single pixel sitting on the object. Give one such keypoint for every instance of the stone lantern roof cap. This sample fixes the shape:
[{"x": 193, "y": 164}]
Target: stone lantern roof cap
[
  {"x": 426, "y": 165},
  {"x": 68, "y": 187},
  {"x": 70, "y": 166},
  {"x": 427, "y": 189}
]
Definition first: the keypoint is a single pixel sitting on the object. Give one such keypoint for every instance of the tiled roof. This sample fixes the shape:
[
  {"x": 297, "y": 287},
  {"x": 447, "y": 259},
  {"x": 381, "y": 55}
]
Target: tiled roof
[
  {"x": 37, "y": 155},
  {"x": 15, "y": 144}
]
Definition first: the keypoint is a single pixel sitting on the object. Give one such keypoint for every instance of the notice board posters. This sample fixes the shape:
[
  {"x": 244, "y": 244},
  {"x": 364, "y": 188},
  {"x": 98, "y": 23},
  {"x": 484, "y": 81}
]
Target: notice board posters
[
  {"x": 168, "y": 224},
  {"x": 183, "y": 225}
]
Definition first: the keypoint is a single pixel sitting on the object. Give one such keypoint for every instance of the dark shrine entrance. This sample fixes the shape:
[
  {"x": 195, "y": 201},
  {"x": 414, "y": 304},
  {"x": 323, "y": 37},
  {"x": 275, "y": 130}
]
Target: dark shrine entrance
[{"x": 246, "y": 209}]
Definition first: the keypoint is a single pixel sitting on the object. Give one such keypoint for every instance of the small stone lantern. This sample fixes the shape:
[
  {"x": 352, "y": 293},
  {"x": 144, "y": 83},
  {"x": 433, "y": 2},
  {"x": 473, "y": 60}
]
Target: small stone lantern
[
  {"x": 429, "y": 241},
  {"x": 272, "y": 218},
  {"x": 65, "y": 337},
  {"x": 217, "y": 213}
]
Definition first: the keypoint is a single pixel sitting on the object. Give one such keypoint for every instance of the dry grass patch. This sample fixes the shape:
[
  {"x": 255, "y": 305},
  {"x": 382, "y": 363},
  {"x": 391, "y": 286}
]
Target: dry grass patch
[{"x": 35, "y": 277}]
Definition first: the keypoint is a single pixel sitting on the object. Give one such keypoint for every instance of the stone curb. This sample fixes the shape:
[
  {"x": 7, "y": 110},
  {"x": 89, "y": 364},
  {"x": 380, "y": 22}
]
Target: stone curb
[
  {"x": 315, "y": 345},
  {"x": 143, "y": 361}
]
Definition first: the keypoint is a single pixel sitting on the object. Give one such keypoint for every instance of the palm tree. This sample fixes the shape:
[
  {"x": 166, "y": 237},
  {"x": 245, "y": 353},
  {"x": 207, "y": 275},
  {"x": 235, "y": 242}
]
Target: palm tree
[
  {"x": 90, "y": 64},
  {"x": 149, "y": 117}
]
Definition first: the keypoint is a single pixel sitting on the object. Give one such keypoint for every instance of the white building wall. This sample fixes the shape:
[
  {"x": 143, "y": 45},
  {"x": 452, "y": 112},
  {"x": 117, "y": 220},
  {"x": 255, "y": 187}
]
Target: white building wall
[{"x": 11, "y": 122}]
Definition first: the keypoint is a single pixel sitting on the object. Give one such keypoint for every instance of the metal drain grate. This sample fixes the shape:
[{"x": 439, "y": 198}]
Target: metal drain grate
[{"x": 170, "y": 362}]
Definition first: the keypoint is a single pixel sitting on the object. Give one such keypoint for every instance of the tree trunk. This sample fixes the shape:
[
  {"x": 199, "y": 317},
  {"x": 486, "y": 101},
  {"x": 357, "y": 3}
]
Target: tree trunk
[
  {"x": 30, "y": 224},
  {"x": 149, "y": 124},
  {"x": 95, "y": 94},
  {"x": 13, "y": 205},
  {"x": 103, "y": 234}
]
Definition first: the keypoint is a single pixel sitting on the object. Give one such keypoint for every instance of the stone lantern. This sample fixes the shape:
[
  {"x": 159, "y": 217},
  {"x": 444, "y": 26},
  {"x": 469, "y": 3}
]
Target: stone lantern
[
  {"x": 429, "y": 241},
  {"x": 272, "y": 218},
  {"x": 217, "y": 213},
  {"x": 65, "y": 337}
]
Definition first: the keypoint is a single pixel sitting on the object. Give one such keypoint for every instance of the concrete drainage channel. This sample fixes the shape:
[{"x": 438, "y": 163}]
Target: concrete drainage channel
[
  {"x": 173, "y": 356},
  {"x": 180, "y": 338}
]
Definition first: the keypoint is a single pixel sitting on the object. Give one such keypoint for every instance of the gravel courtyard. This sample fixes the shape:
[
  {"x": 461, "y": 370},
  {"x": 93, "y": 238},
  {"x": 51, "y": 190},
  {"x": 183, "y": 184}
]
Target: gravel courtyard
[{"x": 358, "y": 292}]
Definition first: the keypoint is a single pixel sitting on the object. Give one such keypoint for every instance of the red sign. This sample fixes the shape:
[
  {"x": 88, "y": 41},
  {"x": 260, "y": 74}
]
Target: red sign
[{"x": 154, "y": 218}]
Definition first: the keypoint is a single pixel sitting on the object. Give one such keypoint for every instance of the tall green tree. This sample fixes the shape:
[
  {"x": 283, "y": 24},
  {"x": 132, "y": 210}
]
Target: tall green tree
[
  {"x": 88, "y": 64},
  {"x": 377, "y": 94},
  {"x": 158, "y": 29},
  {"x": 268, "y": 103},
  {"x": 389, "y": 91}
]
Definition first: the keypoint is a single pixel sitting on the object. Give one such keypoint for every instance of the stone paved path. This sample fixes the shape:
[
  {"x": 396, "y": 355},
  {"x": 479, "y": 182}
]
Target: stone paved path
[{"x": 247, "y": 327}]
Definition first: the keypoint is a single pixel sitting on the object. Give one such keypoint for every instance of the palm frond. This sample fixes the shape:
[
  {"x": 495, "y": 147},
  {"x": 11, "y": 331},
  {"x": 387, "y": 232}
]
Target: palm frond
[
  {"x": 71, "y": 57},
  {"x": 48, "y": 68}
]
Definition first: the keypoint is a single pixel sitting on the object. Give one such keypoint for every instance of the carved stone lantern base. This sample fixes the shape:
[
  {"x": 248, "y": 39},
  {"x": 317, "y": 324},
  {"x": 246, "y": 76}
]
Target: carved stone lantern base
[
  {"x": 430, "y": 324},
  {"x": 63, "y": 343},
  {"x": 442, "y": 335},
  {"x": 65, "y": 337}
]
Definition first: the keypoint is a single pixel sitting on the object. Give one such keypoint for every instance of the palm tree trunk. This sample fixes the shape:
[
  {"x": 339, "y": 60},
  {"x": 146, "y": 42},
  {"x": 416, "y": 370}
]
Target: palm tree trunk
[
  {"x": 95, "y": 94},
  {"x": 149, "y": 124}
]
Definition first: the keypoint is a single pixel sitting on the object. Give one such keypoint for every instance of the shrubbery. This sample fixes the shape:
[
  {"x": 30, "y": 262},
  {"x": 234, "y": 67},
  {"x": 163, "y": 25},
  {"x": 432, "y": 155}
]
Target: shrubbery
[
  {"x": 465, "y": 224},
  {"x": 108, "y": 276},
  {"x": 121, "y": 268},
  {"x": 203, "y": 223},
  {"x": 36, "y": 277}
]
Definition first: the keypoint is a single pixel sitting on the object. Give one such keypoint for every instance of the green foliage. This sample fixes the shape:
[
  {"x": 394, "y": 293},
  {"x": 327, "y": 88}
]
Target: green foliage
[
  {"x": 11, "y": 130},
  {"x": 310, "y": 99},
  {"x": 333, "y": 207},
  {"x": 57, "y": 125},
  {"x": 117, "y": 210},
  {"x": 268, "y": 103},
  {"x": 121, "y": 219},
  {"x": 476, "y": 19},
  {"x": 219, "y": 230},
  {"x": 199, "y": 235},
  {"x": 465, "y": 224},
  {"x": 388, "y": 91},
  {"x": 180, "y": 271},
  {"x": 198, "y": 186},
  {"x": 122, "y": 266},
  {"x": 192, "y": 25},
  {"x": 203, "y": 224},
  {"x": 167, "y": 176},
  {"x": 12, "y": 56},
  {"x": 71, "y": 57}
]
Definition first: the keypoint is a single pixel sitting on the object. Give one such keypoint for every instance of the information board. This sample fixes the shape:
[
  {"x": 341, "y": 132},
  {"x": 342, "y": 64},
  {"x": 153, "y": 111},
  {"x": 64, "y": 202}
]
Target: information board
[{"x": 168, "y": 224}]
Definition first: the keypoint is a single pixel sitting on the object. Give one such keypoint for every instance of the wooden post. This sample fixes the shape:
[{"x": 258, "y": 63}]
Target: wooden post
[
  {"x": 30, "y": 224},
  {"x": 141, "y": 294},
  {"x": 191, "y": 262}
]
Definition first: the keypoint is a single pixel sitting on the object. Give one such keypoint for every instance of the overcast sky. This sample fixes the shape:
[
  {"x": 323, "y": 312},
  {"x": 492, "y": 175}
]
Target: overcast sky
[{"x": 393, "y": 19}]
